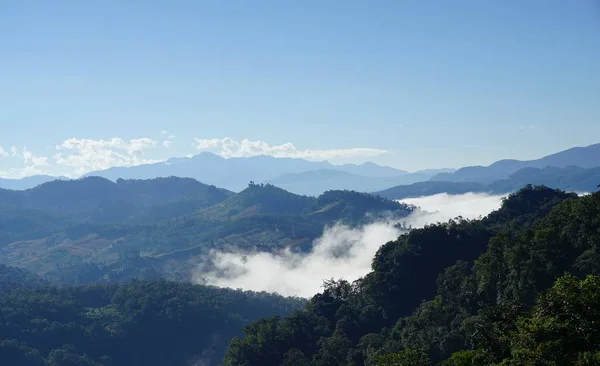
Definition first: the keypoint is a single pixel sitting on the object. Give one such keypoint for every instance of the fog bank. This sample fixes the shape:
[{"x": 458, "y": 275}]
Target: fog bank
[{"x": 341, "y": 252}]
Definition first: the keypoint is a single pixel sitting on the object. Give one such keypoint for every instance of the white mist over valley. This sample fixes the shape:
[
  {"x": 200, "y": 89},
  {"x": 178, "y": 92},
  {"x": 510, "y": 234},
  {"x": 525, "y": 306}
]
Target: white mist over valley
[{"x": 341, "y": 252}]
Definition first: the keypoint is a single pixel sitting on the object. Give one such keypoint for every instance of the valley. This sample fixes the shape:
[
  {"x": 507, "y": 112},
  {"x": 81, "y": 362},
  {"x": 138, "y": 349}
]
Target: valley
[{"x": 299, "y": 183}]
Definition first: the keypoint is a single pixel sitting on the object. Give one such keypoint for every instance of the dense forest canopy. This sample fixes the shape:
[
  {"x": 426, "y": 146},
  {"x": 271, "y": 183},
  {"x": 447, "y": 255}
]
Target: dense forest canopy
[
  {"x": 518, "y": 287},
  {"x": 141, "y": 323}
]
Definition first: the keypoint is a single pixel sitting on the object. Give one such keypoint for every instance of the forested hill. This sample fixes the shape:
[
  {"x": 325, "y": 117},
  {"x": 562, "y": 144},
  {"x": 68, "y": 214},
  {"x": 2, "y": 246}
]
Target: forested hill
[
  {"x": 86, "y": 194},
  {"x": 518, "y": 287},
  {"x": 94, "y": 230},
  {"x": 145, "y": 323}
]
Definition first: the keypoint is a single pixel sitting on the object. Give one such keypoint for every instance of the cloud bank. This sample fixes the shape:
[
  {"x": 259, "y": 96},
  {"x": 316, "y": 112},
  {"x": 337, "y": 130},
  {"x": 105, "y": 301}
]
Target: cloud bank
[
  {"x": 442, "y": 207},
  {"x": 294, "y": 274},
  {"x": 33, "y": 164},
  {"x": 75, "y": 156},
  {"x": 86, "y": 155},
  {"x": 230, "y": 148}
]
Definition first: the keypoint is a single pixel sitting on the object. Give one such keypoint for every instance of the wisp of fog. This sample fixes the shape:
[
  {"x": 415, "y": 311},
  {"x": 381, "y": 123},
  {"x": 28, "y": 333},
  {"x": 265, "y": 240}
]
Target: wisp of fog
[{"x": 341, "y": 252}]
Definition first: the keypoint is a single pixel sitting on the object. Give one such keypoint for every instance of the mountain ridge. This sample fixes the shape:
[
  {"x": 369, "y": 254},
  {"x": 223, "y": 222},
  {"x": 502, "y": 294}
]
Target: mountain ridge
[
  {"x": 314, "y": 178},
  {"x": 569, "y": 178},
  {"x": 316, "y": 182},
  {"x": 235, "y": 173},
  {"x": 583, "y": 157}
]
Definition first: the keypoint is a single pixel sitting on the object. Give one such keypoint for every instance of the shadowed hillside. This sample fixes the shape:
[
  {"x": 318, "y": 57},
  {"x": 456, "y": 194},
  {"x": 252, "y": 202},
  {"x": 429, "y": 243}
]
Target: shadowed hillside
[{"x": 516, "y": 287}]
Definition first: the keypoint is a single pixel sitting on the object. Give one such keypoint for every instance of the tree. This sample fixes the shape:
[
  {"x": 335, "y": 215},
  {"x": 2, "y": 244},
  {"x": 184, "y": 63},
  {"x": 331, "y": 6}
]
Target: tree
[
  {"x": 407, "y": 357},
  {"x": 563, "y": 326},
  {"x": 295, "y": 357}
]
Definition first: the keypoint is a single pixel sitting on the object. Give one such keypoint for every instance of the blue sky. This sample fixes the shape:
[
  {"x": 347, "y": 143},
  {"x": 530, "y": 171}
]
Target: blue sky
[{"x": 412, "y": 84}]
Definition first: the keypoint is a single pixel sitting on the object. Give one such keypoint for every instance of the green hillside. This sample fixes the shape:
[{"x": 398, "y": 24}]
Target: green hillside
[
  {"x": 122, "y": 199},
  {"x": 258, "y": 199},
  {"x": 164, "y": 227},
  {"x": 142, "y": 323},
  {"x": 519, "y": 287}
]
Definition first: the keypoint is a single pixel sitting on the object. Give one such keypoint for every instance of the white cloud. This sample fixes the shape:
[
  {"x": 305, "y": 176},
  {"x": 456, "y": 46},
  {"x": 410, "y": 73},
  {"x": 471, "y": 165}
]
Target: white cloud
[
  {"x": 32, "y": 165},
  {"x": 169, "y": 138},
  {"x": 229, "y": 148},
  {"x": 137, "y": 145},
  {"x": 34, "y": 161},
  {"x": 302, "y": 274},
  {"x": 87, "y": 155},
  {"x": 443, "y": 206}
]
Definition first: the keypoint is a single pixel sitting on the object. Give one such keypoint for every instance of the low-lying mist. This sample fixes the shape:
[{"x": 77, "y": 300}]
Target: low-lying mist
[{"x": 341, "y": 252}]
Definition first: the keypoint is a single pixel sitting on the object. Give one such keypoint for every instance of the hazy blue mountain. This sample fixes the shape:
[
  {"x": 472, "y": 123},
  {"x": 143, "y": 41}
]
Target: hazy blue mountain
[
  {"x": 421, "y": 189},
  {"x": 370, "y": 170},
  {"x": 435, "y": 171},
  {"x": 235, "y": 173},
  {"x": 583, "y": 157},
  {"x": 315, "y": 182},
  {"x": 27, "y": 182},
  {"x": 570, "y": 178}
]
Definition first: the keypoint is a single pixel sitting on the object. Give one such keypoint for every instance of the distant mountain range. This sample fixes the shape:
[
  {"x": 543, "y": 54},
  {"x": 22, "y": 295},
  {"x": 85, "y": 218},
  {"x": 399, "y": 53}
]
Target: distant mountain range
[
  {"x": 298, "y": 175},
  {"x": 235, "y": 173},
  {"x": 313, "y": 178},
  {"x": 583, "y": 157},
  {"x": 27, "y": 182},
  {"x": 315, "y": 182},
  {"x": 571, "y": 179}
]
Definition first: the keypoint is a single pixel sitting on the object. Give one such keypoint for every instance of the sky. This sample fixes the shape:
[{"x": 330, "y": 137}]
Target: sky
[{"x": 412, "y": 84}]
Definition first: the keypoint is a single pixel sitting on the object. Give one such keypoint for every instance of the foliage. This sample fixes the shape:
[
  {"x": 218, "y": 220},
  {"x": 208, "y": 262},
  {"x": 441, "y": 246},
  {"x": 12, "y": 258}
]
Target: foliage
[
  {"x": 142, "y": 323},
  {"x": 480, "y": 292},
  {"x": 13, "y": 278},
  {"x": 407, "y": 357}
]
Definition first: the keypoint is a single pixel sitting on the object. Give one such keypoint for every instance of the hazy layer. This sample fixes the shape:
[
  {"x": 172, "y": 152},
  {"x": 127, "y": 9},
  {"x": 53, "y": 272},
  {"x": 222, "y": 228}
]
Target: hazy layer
[{"x": 341, "y": 252}]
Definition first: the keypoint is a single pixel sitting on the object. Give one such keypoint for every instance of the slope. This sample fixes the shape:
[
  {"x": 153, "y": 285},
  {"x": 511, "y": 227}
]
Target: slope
[
  {"x": 258, "y": 199},
  {"x": 142, "y": 323},
  {"x": 88, "y": 194},
  {"x": 451, "y": 288}
]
